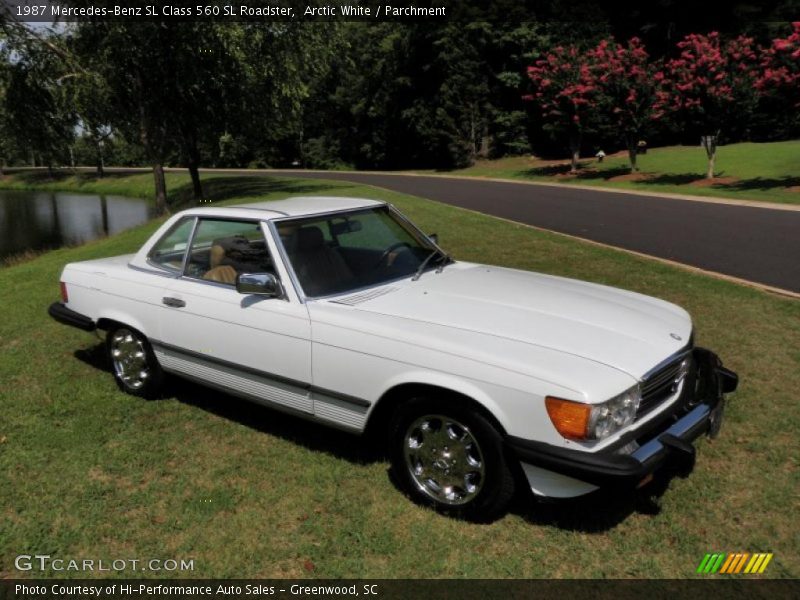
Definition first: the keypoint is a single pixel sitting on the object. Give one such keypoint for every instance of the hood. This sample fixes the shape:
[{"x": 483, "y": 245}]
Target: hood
[{"x": 624, "y": 330}]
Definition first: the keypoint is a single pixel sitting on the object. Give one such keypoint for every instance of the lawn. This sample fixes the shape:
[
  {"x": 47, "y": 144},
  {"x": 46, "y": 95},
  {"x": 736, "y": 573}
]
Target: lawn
[
  {"x": 748, "y": 171},
  {"x": 88, "y": 472}
]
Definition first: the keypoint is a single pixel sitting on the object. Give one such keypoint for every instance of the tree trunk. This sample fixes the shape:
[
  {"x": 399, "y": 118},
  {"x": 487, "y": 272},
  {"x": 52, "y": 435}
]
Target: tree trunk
[
  {"x": 100, "y": 163},
  {"x": 630, "y": 142},
  {"x": 575, "y": 149},
  {"x": 161, "y": 189},
  {"x": 196, "y": 185},
  {"x": 485, "y": 142},
  {"x": 710, "y": 144},
  {"x": 104, "y": 214}
]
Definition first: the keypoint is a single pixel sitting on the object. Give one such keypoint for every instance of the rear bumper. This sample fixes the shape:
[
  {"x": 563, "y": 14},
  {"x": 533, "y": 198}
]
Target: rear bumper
[
  {"x": 694, "y": 414},
  {"x": 64, "y": 315}
]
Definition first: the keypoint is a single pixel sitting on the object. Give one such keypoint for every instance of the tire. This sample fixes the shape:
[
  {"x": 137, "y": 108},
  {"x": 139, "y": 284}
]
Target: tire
[
  {"x": 448, "y": 456},
  {"x": 133, "y": 363}
]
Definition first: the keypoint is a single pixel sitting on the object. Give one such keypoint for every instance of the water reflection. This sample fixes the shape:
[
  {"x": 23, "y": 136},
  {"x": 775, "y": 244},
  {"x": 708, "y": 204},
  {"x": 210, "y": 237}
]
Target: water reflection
[{"x": 46, "y": 220}]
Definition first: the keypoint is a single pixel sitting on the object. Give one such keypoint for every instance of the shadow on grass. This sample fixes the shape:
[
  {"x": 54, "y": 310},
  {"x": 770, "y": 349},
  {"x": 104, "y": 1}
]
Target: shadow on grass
[
  {"x": 763, "y": 183},
  {"x": 588, "y": 173},
  {"x": 605, "y": 174},
  {"x": 310, "y": 435},
  {"x": 597, "y": 512},
  {"x": 216, "y": 189},
  {"x": 594, "y": 513},
  {"x": 739, "y": 185},
  {"x": 550, "y": 170}
]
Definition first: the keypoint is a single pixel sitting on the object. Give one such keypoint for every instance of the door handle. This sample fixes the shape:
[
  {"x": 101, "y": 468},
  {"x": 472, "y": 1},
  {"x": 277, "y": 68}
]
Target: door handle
[{"x": 174, "y": 302}]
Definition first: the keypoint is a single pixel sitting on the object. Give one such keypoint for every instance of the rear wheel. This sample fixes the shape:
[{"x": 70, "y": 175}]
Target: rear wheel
[
  {"x": 136, "y": 369},
  {"x": 449, "y": 456}
]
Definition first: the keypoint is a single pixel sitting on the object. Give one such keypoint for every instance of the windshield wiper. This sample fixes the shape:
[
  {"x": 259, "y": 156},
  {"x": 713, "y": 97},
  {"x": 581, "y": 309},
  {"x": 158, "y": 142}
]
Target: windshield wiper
[{"x": 428, "y": 258}]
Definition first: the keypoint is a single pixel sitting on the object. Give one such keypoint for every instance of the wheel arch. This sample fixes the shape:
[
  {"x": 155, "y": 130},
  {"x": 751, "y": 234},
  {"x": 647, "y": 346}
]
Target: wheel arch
[
  {"x": 380, "y": 416},
  {"x": 108, "y": 321}
]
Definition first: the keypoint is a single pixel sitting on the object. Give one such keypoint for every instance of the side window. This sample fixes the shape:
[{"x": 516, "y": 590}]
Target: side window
[
  {"x": 222, "y": 249},
  {"x": 170, "y": 249}
]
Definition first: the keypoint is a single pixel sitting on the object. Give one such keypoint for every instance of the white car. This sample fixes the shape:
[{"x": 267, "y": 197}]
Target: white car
[{"x": 341, "y": 311}]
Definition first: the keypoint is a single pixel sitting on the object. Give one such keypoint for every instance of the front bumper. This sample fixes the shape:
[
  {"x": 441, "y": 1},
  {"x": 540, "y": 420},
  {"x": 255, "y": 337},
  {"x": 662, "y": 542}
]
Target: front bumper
[
  {"x": 668, "y": 439},
  {"x": 64, "y": 315}
]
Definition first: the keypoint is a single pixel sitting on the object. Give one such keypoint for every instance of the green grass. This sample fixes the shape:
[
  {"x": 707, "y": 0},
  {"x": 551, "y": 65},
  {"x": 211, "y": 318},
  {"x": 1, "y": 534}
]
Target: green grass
[
  {"x": 136, "y": 186},
  {"x": 761, "y": 172},
  {"x": 216, "y": 187},
  {"x": 88, "y": 472}
]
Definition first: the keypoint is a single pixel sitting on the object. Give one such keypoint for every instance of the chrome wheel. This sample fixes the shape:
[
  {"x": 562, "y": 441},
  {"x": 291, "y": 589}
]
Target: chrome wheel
[
  {"x": 129, "y": 357},
  {"x": 444, "y": 459}
]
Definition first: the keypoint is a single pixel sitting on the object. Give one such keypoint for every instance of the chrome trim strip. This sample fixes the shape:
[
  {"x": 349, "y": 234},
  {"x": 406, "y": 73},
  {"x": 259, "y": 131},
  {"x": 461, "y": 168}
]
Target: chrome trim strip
[
  {"x": 227, "y": 286},
  {"x": 308, "y": 387},
  {"x": 423, "y": 237},
  {"x": 287, "y": 264},
  {"x": 160, "y": 272},
  {"x": 377, "y": 204},
  {"x": 189, "y": 246},
  {"x": 278, "y": 212},
  {"x": 672, "y": 357}
]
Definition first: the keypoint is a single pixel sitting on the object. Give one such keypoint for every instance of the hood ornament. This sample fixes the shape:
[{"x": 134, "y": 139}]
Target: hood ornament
[{"x": 675, "y": 336}]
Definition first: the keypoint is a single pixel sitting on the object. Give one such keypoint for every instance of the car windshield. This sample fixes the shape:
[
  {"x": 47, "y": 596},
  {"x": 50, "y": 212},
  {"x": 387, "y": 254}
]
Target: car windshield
[{"x": 337, "y": 253}]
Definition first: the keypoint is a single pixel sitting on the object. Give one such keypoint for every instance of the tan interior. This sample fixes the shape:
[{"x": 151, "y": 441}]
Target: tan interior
[
  {"x": 222, "y": 274},
  {"x": 218, "y": 272}
]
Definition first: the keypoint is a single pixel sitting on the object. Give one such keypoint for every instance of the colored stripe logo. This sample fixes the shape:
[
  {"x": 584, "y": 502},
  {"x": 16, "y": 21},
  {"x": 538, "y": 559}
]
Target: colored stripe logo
[{"x": 735, "y": 563}]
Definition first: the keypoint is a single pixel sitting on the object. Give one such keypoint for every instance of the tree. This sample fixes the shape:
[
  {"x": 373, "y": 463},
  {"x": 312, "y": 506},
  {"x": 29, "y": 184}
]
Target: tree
[
  {"x": 267, "y": 102},
  {"x": 710, "y": 86},
  {"x": 36, "y": 117},
  {"x": 565, "y": 90},
  {"x": 780, "y": 64},
  {"x": 134, "y": 61},
  {"x": 626, "y": 79},
  {"x": 88, "y": 95}
]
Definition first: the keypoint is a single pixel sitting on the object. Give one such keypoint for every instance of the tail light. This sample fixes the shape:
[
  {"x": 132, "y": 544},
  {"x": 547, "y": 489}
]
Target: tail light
[{"x": 64, "y": 295}]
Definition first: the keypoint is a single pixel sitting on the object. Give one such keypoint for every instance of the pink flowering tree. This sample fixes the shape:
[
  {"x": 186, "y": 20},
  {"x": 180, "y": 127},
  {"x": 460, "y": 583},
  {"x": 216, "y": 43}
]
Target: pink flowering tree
[
  {"x": 565, "y": 90},
  {"x": 710, "y": 85},
  {"x": 627, "y": 81},
  {"x": 780, "y": 64}
]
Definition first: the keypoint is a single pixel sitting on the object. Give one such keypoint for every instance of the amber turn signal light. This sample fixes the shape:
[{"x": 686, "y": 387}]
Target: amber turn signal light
[{"x": 571, "y": 419}]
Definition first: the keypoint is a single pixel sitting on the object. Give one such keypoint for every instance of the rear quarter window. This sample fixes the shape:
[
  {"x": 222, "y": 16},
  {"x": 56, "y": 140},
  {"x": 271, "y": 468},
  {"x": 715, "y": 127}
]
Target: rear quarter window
[{"x": 170, "y": 250}]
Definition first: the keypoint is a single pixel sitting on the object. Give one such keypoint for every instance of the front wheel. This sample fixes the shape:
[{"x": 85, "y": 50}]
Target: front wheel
[
  {"x": 136, "y": 369},
  {"x": 448, "y": 456}
]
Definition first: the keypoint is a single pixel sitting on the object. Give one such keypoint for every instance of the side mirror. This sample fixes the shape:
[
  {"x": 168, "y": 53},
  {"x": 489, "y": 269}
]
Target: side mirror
[
  {"x": 434, "y": 237},
  {"x": 262, "y": 284}
]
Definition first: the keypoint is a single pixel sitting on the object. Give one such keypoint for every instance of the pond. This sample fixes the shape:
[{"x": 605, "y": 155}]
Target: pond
[{"x": 48, "y": 220}]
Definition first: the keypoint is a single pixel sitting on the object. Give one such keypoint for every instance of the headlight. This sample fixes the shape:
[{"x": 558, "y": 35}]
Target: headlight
[{"x": 594, "y": 422}]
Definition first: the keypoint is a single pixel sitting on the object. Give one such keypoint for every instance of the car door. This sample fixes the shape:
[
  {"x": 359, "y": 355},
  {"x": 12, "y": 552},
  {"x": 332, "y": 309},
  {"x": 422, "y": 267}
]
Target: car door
[{"x": 256, "y": 346}]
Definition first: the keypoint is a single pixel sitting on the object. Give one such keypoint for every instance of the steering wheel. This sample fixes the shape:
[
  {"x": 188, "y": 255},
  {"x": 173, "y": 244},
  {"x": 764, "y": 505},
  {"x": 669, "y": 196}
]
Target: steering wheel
[{"x": 389, "y": 250}]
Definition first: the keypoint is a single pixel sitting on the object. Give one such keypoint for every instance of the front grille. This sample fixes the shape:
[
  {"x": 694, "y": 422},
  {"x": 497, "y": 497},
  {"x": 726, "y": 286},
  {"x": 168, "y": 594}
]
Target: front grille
[{"x": 660, "y": 385}]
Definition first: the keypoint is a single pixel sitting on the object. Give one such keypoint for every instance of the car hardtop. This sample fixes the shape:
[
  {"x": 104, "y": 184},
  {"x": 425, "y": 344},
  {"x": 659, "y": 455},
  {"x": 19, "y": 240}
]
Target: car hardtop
[{"x": 298, "y": 206}]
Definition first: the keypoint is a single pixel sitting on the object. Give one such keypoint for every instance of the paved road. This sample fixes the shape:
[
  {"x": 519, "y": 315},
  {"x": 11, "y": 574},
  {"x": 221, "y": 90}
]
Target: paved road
[
  {"x": 757, "y": 244},
  {"x": 761, "y": 245}
]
